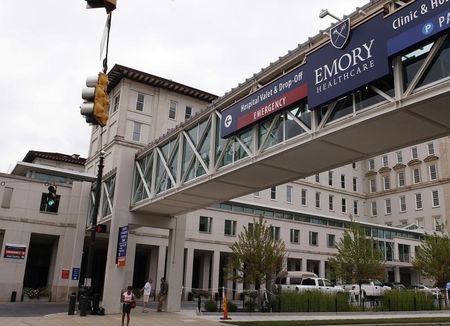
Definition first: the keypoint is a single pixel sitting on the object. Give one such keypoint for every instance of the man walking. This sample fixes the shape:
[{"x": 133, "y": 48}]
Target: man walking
[
  {"x": 147, "y": 291},
  {"x": 162, "y": 294}
]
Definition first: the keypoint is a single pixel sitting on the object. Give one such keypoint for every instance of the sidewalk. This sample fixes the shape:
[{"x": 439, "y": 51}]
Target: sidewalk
[{"x": 189, "y": 317}]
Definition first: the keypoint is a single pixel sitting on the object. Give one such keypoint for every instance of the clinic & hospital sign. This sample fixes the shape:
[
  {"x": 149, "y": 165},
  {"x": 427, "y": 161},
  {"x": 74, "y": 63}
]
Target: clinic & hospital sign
[{"x": 352, "y": 59}]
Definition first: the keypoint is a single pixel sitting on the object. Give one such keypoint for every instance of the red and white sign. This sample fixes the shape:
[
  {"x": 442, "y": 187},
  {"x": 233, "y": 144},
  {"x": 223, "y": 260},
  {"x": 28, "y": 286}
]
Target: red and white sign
[{"x": 15, "y": 251}]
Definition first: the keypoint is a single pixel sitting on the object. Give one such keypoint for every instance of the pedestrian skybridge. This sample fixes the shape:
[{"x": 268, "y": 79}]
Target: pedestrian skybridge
[{"x": 192, "y": 166}]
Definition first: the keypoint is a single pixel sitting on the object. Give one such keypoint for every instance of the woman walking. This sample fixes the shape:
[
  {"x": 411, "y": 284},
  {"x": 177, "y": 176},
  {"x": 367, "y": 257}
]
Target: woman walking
[{"x": 127, "y": 300}]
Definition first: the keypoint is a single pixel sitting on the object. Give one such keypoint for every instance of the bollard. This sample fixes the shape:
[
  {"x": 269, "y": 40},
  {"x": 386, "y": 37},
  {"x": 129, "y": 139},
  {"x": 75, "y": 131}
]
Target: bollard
[
  {"x": 199, "y": 303},
  {"x": 72, "y": 303},
  {"x": 83, "y": 305}
]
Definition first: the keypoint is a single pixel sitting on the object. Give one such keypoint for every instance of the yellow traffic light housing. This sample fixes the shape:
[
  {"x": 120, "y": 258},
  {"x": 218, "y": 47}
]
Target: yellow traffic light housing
[
  {"x": 101, "y": 101},
  {"x": 96, "y": 105}
]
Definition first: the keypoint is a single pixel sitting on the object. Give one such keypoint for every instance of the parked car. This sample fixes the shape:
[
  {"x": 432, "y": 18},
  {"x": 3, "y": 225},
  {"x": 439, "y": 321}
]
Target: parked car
[
  {"x": 422, "y": 288},
  {"x": 290, "y": 280},
  {"x": 319, "y": 284},
  {"x": 395, "y": 285},
  {"x": 367, "y": 288}
]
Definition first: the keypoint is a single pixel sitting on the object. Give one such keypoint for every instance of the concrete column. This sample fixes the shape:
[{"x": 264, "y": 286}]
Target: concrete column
[
  {"x": 397, "y": 274},
  {"x": 131, "y": 254},
  {"x": 204, "y": 272},
  {"x": 304, "y": 264},
  {"x": 175, "y": 264},
  {"x": 153, "y": 269},
  {"x": 215, "y": 271},
  {"x": 188, "y": 271},
  {"x": 161, "y": 268},
  {"x": 322, "y": 268},
  {"x": 13, "y": 270}
]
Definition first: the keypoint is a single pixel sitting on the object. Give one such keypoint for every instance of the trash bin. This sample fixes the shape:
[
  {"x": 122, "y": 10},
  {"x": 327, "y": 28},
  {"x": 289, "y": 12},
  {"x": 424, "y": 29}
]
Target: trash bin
[
  {"x": 95, "y": 303},
  {"x": 13, "y": 296},
  {"x": 72, "y": 303},
  {"x": 83, "y": 305}
]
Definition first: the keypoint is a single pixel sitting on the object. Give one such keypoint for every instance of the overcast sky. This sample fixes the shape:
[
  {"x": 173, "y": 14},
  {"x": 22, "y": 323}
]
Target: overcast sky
[{"x": 49, "y": 47}]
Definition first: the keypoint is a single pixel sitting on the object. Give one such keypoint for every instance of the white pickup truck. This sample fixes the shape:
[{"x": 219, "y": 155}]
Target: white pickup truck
[
  {"x": 318, "y": 284},
  {"x": 369, "y": 288}
]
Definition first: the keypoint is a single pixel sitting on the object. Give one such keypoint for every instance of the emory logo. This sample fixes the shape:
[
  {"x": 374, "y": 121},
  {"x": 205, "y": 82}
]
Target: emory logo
[{"x": 339, "y": 34}]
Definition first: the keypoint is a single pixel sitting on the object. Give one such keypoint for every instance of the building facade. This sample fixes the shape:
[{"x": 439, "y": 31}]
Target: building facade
[{"x": 396, "y": 196}]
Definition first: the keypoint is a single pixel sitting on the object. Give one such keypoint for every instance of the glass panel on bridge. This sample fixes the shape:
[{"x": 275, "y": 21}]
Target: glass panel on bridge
[{"x": 439, "y": 67}]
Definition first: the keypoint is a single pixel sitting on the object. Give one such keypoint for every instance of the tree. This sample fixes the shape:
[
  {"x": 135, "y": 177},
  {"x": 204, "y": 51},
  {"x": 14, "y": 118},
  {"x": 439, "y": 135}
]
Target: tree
[
  {"x": 358, "y": 256},
  {"x": 433, "y": 258},
  {"x": 256, "y": 256}
]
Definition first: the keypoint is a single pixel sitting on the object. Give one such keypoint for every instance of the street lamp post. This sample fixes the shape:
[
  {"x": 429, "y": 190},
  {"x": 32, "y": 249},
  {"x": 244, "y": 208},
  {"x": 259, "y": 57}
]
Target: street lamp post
[{"x": 90, "y": 262}]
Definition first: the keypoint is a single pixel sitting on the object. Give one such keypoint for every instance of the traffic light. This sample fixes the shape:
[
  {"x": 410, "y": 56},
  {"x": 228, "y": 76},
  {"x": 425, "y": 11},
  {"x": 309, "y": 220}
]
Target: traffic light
[
  {"x": 96, "y": 100},
  {"x": 100, "y": 228},
  {"x": 109, "y": 5},
  {"x": 51, "y": 196}
]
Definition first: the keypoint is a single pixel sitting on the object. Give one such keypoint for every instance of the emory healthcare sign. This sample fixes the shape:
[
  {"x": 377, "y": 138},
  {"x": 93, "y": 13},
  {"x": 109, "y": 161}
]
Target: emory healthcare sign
[{"x": 352, "y": 59}]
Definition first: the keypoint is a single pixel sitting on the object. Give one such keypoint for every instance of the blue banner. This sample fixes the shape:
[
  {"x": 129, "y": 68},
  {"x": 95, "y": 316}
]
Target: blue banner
[
  {"x": 75, "y": 273},
  {"x": 415, "y": 23},
  {"x": 332, "y": 72},
  {"x": 122, "y": 246}
]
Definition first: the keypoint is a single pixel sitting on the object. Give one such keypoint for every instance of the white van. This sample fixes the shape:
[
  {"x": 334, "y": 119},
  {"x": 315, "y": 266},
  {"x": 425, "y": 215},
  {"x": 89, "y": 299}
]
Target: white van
[{"x": 290, "y": 280}]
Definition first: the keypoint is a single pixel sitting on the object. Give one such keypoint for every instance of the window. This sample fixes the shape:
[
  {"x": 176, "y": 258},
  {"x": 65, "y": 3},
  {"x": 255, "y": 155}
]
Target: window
[
  {"x": 289, "y": 194},
  {"x": 275, "y": 232},
  {"x": 303, "y": 199},
  {"x": 373, "y": 206},
  {"x": 355, "y": 182},
  {"x": 7, "y": 195},
  {"x": 387, "y": 206},
  {"x": 331, "y": 240},
  {"x": 414, "y": 154},
  {"x": 313, "y": 238},
  {"x": 402, "y": 204},
  {"x": 419, "y": 222},
  {"x": 354, "y": 165},
  {"x": 140, "y": 102},
  {"x": 344, "y": 205},
  {"x": 230, "y": 227},
  {"x": 250, "y": 227},
  {"x": 317, "y": 177},
  {"x": 137, "y": 131},
  {"x": 116, "y": 103},
  {"x": 419, "y": 201},
  {"x": 205, "y": 224},
  {"x": 371, "y": 164},
  {"x": 342, "y": 181},
  {"x": 355, "y": 207},
  {"x": 401, "y": 178},
  {"x": 433, "y": 172},
  {"x": 416, "y": 175},
  {"x": 430, "y": 148},
  {"x": 317, "y": 199},
  {"x": 331, "y": 202},
  {"x": 45, "y": 207},
  {"x": 188, "y": 112},
  {"x": 435, "y": 197},
  {"x": 273, "y": 193},
  {"x": 438, "y": 226},
  {"x": 330, "y": 178},
  {"x": 384, "y": 160},
  {"x": 372, "y": 185},
  {"x": 386, "y": 182},
  {"x": 295, "y": 236},
  {"x": 399, "y": 157},
  {"x": 173, "y": 110}
]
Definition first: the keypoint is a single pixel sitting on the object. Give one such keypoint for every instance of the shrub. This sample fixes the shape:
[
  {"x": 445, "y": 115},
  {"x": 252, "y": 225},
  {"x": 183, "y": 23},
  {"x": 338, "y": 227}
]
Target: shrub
[
  {"x": 407, "y": 301},
  {"x": 36, "y": 293},
  {"x": 311, "y": 301},
  {"x": 210, "y": 306}
]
